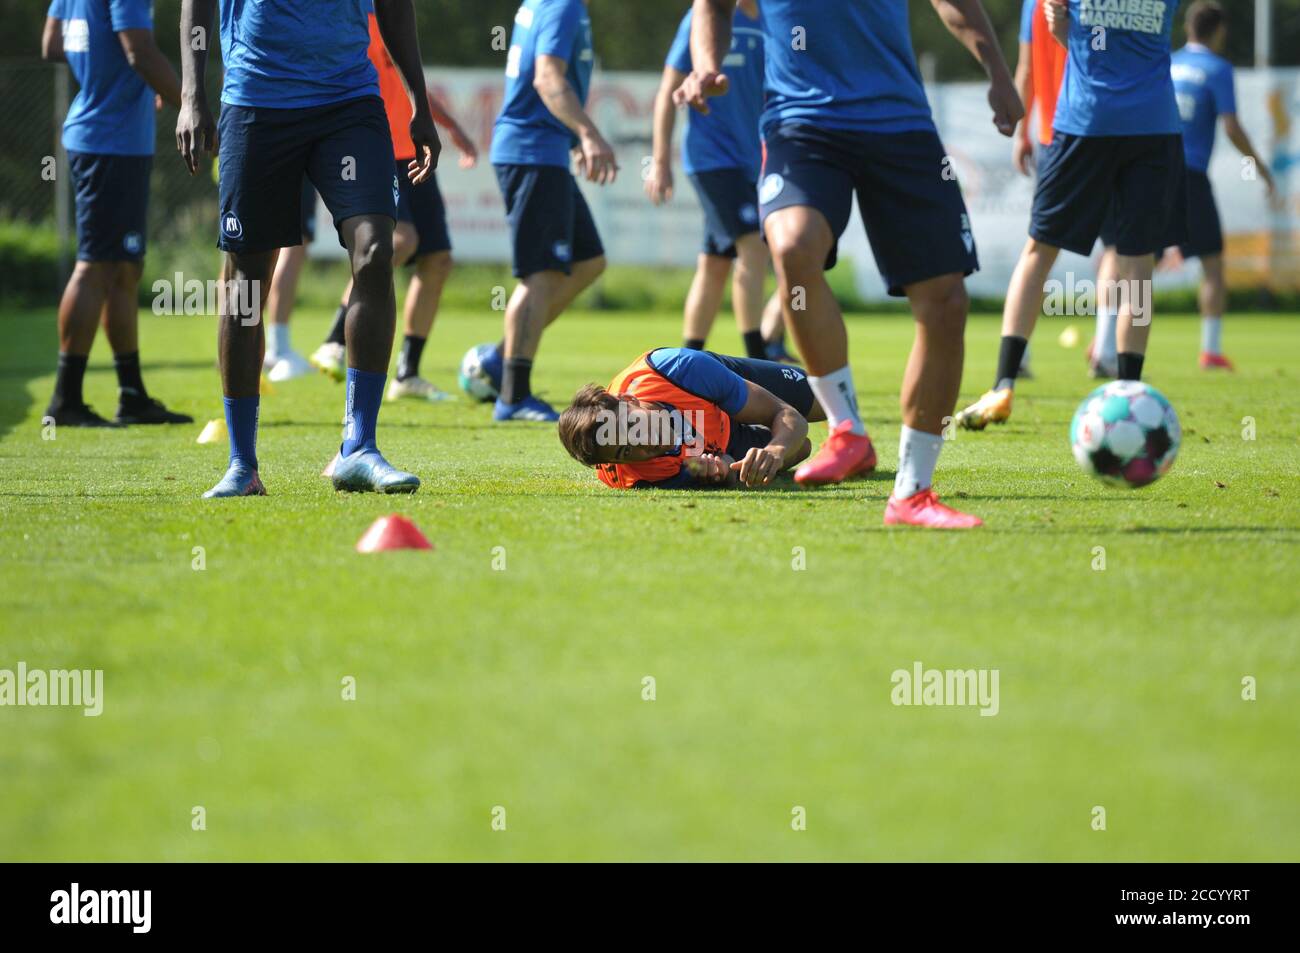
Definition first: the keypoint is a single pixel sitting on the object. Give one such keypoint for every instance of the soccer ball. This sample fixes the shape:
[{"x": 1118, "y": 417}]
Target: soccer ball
[
  {"x": 474, "y": 380},
  {"x": 1126, "y": 434}
]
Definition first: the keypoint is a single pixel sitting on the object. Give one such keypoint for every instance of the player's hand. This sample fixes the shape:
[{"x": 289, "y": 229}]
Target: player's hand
[
  {"x": 709, "y": 468},
  {"x": 596, "y": 160},
  {"x": 1008, "y": 110},
  {"x": 1022, "y": 155},
  {"x": 424, "y": 135},
  {"x": 659, "y": 183},
  {"x": 759, "y": 465},
  {"x": 1058, "y": 18},
  {"x": 196, "y": 133},
  {"x": 1270, "y": 186},
  {"x": 465, "y": 146},
  {"x": 157, "y": 102},
  {"x": 698, "y": 88}
]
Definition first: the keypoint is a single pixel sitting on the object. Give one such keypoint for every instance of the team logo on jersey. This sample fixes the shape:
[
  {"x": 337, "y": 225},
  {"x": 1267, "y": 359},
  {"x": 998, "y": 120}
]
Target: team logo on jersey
[
  {"x": 562, "y": 251},
  {"x": 133, "y": 242},
  {"x": 749, "y": 213},
  {"x": 231, "y": 226},
  {"x": 771, "y": 188}
]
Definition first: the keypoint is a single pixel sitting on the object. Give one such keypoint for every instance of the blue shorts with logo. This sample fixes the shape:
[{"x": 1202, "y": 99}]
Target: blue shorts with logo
[
  {"x": 422, "y": 206},
  {"x": 550, "y": 224},
  {"x": 784, "y": 381},
  {"x": 112, "y": 195},
  {"x": 729, "y": 198},
  {"x": 912, "y": 208},
  {"x": 344, "y": 149},
  {"x": 1128, "y": 190}
]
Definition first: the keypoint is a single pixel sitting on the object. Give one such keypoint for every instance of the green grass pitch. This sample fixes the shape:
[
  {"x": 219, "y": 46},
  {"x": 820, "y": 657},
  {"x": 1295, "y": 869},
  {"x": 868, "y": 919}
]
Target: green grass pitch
[{"x": 521, "y": 688}]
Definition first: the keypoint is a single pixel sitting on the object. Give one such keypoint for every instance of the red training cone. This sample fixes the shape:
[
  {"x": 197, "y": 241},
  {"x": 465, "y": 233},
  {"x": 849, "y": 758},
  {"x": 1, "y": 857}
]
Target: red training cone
[{"x": 392, "y": 532}]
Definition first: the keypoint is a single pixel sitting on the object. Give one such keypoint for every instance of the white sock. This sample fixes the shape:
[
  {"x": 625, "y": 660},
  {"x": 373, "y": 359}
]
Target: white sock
[
  {"x": 918, "y": 452},
  {"x": 1103, "y": 348},
  {"x": 1212, "y": 335},
  {"x": 834, "y": 391},
  {"x": 277, "y": 339}
]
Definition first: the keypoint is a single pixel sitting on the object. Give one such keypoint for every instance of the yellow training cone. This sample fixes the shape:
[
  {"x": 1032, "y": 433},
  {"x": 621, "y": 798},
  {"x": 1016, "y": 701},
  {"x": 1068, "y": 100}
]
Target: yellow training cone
[
  {"x": 1069, "y": 337},
  {"x": 213, "y": 432}
]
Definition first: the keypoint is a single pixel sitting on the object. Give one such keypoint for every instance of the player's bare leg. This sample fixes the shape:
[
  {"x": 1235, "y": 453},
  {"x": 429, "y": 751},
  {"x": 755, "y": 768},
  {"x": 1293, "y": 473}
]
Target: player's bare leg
[
  {"x": 1213, "y": 297},
  {"x": 83, "y": 301},
  {"x": 930, "y": 386},
  {"x": 773, "y": 326},
  {"x": 1019, "y": 315},
  {"x": 423, "y": 296},
  {"x": 1133, "y": 324},
  {"x": 1101, "y": 354},
  {"x": 282, "y": 362},
  {"x": 121, "y": 321},
  {"x": 800, "y": 239},
  {"x": 704, "y": 298},
  {"x": 747, "y": 299}
]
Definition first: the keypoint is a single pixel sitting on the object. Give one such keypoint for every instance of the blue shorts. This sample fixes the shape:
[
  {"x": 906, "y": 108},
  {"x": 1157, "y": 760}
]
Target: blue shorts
[
  {"x": 786, "y": 382},
  {"x": 1127, "y": 190},
  {"x": 915, "y": 217},
  {"x": 1204, "y": 229},
  {"x": 729, "y": 198},
  {"x": 422, "y": 206},
  {"x": 550, "y": 224},
  {"x": 112, "y": 194},
  {"x": 344, "y": 149}
]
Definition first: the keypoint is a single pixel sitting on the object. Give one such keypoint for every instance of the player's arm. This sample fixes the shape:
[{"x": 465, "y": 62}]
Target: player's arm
[
  {"x": 396, "y": 19},
  {"x": 659, "y": 183},
  {"x": 143, "y": 56},
  {"x": 196, "y": 132},
  {"x": 1058, "y": 20},
  {"x": 1237, "y": 136},
  {"x": 710, "y": 43},
  {"x": 789, "y": 436},
  {"x": 967, "y": 21},
  {"x": 1023, "y": 150},
  {"x": 459, "y": 137},
  {"x": 52, "y": 41},
  {"x": 596, "y": 161}
]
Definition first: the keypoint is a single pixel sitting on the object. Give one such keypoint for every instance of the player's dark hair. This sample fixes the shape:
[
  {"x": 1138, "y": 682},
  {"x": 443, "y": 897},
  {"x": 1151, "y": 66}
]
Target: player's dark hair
[
  {"x": 581, "y": 420},
  {"x": 1204, "y": 18}
]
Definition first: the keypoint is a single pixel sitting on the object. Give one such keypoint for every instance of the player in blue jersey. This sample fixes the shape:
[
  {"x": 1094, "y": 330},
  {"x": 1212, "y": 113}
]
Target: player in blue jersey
[
  {"x": 846, "y": 113},
  {"x": 1117, "y": 135},
  {"x": 1206, "y": 92},
  {"x": 301, "y": 97},
  {"x": 109, "y": 140},
  {"x": 721, "y": 154},
  {"x": 556, "y": 249}
]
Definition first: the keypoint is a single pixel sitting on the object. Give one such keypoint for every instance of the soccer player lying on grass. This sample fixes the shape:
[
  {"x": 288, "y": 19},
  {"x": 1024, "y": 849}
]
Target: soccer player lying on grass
[{"x": 678, "y": 418}]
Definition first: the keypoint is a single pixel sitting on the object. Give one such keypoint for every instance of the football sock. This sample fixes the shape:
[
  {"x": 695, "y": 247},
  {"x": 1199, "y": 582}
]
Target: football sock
[
  {"x": 129, "y": 381},
  {"x": 408, "y": 359},
  {"x": 277, "y": 339},
  {"x": 1103, "y": 348},
  {"x": 337, "y": 331},
  {"x": 241, "y": 424},
  {"x": 67, "y": 385},
  {"x": 1212, "y": 335},
  {"x": 517, "y": 382},
  {"x": 361, "y": 413},
  {"x": 918, "y": 452},
  {"x": 834, "y": 391},
  {"x": 693, "y": 344},
  {"x": 1024, "y": 361},
  {"x": 1010, "y": 354},
  {"x": 754, "y": 345},
  {"x": 1130, "y": 366}
]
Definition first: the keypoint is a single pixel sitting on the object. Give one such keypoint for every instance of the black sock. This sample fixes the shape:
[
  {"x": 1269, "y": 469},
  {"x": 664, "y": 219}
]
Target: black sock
[
  {"x": 408, "y": 359},
  {"x": 693, "y": 344},
  {"x": 1130, "y": 365},
  {"x": 67, "y": 384},
  {"x": 336, "y": 335},
  {"x": 517, "y": 382},
  {"x": 129, "y": 382},
  {"x": 1010, "y": 355},
  {"x": 754, "y": 345}
]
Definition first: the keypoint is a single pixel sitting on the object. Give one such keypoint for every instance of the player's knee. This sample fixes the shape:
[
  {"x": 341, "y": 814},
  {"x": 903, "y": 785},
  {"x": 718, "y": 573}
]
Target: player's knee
[
  {"x": 435, "y": 267},
  {"x": 715, "y": 267},
  {"x": 372, "y": 258},
  {"x": 796, "y": 252},
  {"x": 944, "y": 310}
]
